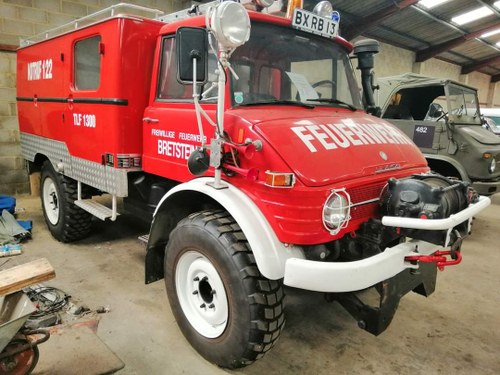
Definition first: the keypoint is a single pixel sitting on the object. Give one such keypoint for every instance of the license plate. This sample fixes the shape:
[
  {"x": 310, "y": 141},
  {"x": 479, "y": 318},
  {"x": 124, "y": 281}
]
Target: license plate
[{"x": 310, "y": 22}]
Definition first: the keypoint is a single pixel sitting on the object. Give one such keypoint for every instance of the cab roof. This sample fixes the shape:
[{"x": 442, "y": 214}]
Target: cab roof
[{"x": 199, "y": 21}]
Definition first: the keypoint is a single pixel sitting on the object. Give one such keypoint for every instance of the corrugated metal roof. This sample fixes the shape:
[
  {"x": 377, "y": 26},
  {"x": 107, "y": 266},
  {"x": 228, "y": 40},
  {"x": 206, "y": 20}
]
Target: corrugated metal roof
[{"x": 422, "y": 30}]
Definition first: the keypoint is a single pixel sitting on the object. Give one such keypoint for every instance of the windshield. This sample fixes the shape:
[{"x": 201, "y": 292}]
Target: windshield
[
  {"x": 462, "y": 105},
  {"x": 285, "y": 65},
  {"x": 494, "y": 119}
]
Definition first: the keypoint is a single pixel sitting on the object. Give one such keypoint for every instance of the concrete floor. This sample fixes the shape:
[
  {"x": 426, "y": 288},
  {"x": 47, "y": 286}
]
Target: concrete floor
[{"x": 456, "y": 330}]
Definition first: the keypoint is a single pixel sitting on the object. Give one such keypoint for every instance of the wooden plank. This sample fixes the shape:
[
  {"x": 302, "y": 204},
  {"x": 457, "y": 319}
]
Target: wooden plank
[{"x": 19, "y": 277}]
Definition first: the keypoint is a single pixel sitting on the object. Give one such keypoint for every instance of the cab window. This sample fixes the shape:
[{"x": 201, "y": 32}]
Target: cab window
[{"x": 168, "y": 86}]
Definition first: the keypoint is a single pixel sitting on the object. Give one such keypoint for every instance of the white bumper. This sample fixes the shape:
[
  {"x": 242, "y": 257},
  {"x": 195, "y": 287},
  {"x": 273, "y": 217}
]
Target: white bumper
[
  {"x": 342, "y": 277},
  {"x": 339, "y": 277}
]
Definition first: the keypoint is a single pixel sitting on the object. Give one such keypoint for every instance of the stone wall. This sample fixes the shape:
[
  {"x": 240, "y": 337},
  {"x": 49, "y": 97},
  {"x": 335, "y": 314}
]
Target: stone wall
[
  {"x": 493, "y": 95},
  {"x": 393, "y": 61},
  {"x": 13, "y": 177},
  {"x": 482, "y": 83}
]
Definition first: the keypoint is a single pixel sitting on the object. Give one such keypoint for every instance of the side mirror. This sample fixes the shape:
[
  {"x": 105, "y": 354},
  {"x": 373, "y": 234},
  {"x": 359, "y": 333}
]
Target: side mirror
[
  {"x": 435, "y": 110},
  {"x": 198, "y": 162},
  {"x": 192, "y": 43}
]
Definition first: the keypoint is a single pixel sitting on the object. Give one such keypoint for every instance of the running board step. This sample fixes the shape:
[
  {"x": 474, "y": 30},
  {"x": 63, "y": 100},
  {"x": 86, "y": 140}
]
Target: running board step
[{"x": 95, "y": 208}]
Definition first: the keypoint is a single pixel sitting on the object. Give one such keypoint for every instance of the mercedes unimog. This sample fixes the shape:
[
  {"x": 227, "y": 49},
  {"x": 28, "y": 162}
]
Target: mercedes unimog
[{"x": 241, "y": 136}]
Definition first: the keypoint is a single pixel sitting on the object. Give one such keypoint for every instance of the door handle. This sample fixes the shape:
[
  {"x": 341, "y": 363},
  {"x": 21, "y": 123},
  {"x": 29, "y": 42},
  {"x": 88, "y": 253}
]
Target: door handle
[{"x": 150, "y": 120}]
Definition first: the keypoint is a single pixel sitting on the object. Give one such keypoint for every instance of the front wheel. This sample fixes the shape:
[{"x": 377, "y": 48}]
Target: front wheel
[{"x": 225, "y": 308}]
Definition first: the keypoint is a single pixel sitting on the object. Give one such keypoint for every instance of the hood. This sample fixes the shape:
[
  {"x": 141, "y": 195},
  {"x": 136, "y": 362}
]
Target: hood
[
  {"x": 326, "y": 146},
  {"x": 481, "y": 135}
]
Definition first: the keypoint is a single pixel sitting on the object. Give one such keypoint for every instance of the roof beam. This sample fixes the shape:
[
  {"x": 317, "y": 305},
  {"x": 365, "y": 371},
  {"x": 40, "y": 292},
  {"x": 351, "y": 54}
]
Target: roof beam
[
  {"x": 427, "y": 53},
  {"x": 376, "y": 18},
  {"x": 495, "y": 78},
  {"x": 480, "y": 64}
]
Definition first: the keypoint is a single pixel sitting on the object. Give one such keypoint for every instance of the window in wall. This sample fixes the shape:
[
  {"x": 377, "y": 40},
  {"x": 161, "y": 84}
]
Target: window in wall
[{"x": 87, "y": 63}]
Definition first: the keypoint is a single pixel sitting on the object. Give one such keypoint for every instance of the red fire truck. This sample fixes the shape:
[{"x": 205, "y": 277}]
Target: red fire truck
[{"x": 242, "y": 136}]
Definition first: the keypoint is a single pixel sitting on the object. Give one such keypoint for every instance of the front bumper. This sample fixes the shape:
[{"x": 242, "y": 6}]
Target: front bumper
[
  {"x": 342, "y": 277},
  {"x": 339, "y": 277},
  {"x": 486, "y": 187}
]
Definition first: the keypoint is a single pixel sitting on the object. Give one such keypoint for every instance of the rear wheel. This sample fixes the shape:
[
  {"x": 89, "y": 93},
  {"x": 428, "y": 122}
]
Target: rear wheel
[
  {"x": 226, "y": 309},
  {"x": 66, "y": 221}
]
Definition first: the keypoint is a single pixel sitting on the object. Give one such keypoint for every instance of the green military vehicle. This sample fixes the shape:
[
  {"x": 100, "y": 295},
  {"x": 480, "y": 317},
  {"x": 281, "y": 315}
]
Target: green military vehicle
[{"x": 442, "y": 117}]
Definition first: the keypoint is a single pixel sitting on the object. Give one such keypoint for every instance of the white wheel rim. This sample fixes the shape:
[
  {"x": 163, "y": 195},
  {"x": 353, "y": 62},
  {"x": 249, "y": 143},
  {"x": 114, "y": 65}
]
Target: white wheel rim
[
  {"x": 201, "y": 294},
  {"x": 50, "y": 201}
]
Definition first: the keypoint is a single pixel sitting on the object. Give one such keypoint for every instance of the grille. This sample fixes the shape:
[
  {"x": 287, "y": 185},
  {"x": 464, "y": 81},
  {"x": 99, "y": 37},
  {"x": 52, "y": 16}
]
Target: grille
[{"x": 364, "y": 194}]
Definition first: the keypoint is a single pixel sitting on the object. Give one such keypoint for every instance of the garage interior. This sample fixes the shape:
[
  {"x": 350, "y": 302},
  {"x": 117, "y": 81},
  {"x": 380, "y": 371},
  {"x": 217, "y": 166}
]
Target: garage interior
[{"x": 127, "y": 327}]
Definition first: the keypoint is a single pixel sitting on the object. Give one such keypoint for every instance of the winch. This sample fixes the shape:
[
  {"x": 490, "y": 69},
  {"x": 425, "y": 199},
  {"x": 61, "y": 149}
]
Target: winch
[{"x": 428, "y": 196}]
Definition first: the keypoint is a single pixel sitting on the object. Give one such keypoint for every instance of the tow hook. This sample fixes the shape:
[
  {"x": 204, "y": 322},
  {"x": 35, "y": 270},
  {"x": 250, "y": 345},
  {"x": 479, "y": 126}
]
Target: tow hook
[{"x": 439, "y": 257}]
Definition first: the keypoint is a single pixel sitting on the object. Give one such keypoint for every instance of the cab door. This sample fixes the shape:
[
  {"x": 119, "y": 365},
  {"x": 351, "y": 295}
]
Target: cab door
[{"x": 170, "y": 128}]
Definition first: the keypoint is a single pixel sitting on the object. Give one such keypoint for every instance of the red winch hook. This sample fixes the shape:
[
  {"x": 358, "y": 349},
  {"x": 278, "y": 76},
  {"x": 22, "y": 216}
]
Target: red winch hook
[{"x": 439, "y": 257}]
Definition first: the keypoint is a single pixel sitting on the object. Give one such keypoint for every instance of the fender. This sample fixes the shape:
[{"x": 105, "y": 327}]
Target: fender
[
  {"x": 463, "y": 173},
  {"x": 270, "y": 254}
]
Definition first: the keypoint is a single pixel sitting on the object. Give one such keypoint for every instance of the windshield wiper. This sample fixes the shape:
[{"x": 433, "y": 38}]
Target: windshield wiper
[
  {"x": 333, "y": 101},
  {"x": 276, "y": 101}
]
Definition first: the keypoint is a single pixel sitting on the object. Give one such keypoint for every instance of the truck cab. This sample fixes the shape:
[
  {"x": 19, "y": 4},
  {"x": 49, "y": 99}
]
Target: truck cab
[
  {"x": 295, "y": 95},
  {"x": 443, "y": 118}
]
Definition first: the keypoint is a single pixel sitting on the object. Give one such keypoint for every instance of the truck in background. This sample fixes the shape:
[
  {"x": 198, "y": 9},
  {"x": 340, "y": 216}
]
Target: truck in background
[
  {"x": 443, "y": 118},
  {"x": 242, "y": 136}
]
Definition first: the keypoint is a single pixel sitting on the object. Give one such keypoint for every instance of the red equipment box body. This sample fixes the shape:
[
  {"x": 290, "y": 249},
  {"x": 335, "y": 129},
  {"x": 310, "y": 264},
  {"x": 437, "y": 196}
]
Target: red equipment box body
[{"x": 99, "y": 120}]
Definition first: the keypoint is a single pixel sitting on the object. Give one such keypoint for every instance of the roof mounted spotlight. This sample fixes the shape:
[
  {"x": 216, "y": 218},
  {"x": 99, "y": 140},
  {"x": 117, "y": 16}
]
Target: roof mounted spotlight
[
  {"x": 323, "y": 9},
  {"x": 230, "y": 23},
  {"x": 264, "y": 3}
]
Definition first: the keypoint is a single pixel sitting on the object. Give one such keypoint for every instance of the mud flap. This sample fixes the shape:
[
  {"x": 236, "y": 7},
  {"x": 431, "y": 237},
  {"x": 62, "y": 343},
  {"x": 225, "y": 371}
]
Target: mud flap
[{"x": 375, "y": 319}]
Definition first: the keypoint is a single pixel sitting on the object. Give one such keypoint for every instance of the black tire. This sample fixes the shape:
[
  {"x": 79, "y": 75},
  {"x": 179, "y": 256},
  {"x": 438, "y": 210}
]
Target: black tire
[
  {"x": 255, "y": 315},
  {"x": 66, "y": 221}
]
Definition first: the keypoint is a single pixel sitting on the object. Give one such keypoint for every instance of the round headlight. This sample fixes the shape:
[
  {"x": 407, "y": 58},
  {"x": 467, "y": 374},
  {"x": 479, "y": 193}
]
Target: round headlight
[
  {"x": 336, "y": 211},
  {"x": 231, "y": 25},
  {"x": 493, "y": 165}
]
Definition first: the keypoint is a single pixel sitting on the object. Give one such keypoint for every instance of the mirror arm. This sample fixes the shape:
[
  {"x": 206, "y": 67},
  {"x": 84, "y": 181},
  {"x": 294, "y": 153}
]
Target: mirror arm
[
  {"x": 198, "y": 109},
  {"x": 221, "y": 91}
]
